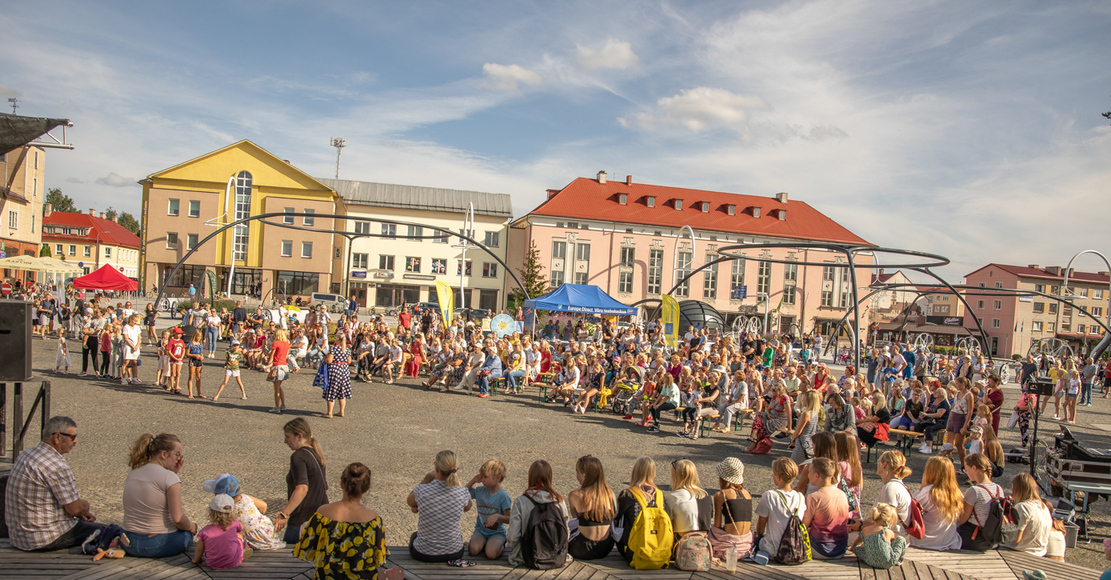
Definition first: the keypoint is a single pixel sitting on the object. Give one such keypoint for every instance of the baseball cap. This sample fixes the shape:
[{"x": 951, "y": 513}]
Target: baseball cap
[
  {"x": 222, "y": 503},
  {"x": 177, "y": 330},
  {"x": 234, "y": 342},
  {"x": 226, "y": 484}
]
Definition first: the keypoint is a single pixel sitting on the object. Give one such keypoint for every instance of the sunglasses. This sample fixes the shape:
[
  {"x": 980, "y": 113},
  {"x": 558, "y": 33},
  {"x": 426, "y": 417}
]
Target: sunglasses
[{"x": 70, "y": 437}]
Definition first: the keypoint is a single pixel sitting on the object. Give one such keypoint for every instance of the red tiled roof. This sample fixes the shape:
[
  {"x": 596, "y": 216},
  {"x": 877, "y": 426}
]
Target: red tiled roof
[
  {"x": 585, "y": 198},
  {"x": 1028, "y": 272},
  {"x": 110, "y": 232}
]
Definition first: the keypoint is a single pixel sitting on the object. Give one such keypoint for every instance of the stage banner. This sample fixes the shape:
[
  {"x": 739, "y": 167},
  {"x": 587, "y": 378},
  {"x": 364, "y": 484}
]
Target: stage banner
[
  {"x": 669, "y": 310},
  {"x": 447, "y": 301}
]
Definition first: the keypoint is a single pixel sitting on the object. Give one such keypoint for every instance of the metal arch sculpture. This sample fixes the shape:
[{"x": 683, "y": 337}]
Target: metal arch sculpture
[
  {"x": 923, "y": 341},
  {"x": 1053, "y": 347},
  {"x": 264, "y": 216}
]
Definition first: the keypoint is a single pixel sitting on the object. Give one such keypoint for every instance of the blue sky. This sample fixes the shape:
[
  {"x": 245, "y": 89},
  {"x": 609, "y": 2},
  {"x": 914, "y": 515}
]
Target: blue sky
[{"x": 972, "y": 130}]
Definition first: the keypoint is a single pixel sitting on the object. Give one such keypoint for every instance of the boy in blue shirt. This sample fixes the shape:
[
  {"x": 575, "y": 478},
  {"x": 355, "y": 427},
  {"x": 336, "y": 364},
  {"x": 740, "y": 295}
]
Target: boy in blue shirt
[{"x": 492, "y": 504}]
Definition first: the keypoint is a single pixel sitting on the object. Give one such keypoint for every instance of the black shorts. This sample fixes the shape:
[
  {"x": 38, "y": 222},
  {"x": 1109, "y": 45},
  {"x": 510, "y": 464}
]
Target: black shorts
[
  {"x": 196, "y": 363},
  {"x": 581, "y": 548}
]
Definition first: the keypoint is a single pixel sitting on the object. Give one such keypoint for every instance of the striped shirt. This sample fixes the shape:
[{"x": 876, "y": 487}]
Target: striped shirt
[
  {"x": 441, "y": 508},
  {"x": 40, "y": 485}
]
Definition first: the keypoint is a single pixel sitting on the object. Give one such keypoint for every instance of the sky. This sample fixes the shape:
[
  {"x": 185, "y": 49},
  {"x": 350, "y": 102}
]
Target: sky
[{"x": 967, "y": 129}]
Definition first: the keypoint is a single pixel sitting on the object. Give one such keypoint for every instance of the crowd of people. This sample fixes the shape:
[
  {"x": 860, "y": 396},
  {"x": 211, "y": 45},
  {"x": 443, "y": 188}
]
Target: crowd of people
[{"x": 542, "y": 527}]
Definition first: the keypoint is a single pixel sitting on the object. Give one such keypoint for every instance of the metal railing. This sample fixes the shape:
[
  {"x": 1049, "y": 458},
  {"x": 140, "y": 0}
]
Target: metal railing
[{"x": 21, "y": 422}]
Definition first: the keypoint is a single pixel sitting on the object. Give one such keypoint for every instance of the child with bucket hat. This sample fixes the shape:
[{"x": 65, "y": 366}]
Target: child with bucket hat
[
  {"x": 258, "y": 530},
  {"x": 732, "y": 511}
]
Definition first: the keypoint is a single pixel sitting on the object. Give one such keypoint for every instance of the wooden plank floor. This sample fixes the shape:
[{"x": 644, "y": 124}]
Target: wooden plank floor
[{"x": 919, "y": 565}]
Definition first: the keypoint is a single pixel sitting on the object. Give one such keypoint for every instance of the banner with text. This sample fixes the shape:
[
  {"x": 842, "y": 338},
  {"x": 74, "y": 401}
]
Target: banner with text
[
  {"x": 669, "y": 310},
  {"x": 447, "y": 301}
]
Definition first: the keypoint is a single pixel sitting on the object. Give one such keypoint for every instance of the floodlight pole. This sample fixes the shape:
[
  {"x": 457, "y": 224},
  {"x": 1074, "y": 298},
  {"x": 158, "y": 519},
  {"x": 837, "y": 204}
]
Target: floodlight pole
[{"x": 339, "y": 143}]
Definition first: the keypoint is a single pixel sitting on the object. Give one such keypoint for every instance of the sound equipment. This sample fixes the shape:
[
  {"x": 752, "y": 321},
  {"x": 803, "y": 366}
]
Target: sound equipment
[
  {"x": 15, "y": 341},
  {"x": 1070, "y": 461}
]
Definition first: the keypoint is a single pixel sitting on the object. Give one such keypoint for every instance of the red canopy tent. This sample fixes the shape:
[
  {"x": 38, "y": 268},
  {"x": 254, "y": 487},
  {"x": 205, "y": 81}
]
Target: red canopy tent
[{"x": 106, "y": 278}]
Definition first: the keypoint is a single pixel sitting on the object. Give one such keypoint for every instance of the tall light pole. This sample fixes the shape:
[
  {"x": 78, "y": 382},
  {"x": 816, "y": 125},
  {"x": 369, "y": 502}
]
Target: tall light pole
[
  {"x": 339, "y": 143},
  {"x": 468, "y": 225},
  {"x": 675, "y": 256}
]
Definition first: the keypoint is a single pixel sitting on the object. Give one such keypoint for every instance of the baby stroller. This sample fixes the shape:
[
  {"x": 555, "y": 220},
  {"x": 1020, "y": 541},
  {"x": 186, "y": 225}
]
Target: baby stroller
[{"x": 624, "y": 398}]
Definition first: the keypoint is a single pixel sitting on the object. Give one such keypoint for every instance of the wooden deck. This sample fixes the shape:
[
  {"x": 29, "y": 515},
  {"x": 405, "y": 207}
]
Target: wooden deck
[{"x": 919, "y": 565}]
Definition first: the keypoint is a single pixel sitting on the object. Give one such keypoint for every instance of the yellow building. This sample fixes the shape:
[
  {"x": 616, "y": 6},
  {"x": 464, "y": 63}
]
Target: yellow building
[{"x": 186, "y": 203}]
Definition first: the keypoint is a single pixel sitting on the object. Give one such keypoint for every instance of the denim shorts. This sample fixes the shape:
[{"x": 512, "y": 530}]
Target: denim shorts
[{"x": 159, "y": 546}]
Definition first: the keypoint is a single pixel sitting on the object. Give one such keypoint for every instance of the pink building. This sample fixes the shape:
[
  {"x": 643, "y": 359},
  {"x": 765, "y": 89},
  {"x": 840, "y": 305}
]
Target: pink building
[{"x": 635, "y": 242}]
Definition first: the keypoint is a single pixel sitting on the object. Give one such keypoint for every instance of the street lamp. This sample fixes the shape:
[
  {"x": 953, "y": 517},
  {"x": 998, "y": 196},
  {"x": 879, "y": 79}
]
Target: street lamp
[
  {"x": 767, "y": 300},
  {"x": 468, "y": 227}
]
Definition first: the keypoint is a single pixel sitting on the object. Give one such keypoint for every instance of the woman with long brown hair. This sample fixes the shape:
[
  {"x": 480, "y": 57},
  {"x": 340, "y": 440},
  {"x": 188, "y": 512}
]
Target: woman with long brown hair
[
  {"x": 977, "y": 502},
  {"x": 595, "y": 505},
  {"x": 539, "y": 491},
  {"x": 153, "y": 514},
  {"x": 941, "y": 501},
  {"x": 306, "y": 484}
]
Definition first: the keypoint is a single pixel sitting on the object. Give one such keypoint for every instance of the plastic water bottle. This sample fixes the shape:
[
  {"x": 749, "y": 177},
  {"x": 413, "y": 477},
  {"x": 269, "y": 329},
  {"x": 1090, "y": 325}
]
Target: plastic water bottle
[{"x": 731, "y": 560}]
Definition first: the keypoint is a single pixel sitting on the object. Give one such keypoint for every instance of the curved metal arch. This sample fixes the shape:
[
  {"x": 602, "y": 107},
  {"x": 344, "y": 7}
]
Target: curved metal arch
[
  {"x": 262, "y": 216},
  {"x": 1101, "y": 345}
]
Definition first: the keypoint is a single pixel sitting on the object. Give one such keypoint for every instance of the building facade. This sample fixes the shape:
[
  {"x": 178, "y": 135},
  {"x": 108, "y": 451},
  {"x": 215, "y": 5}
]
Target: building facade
[
  {"x": 184, "y": 204},
  {"x": 386, "y": 264},
  {"x": 635, "y": 242},
  {"x": 21, "y": 195},
  {"x": 90, "y": 241},
  {"x": 1013, "y": 324}
]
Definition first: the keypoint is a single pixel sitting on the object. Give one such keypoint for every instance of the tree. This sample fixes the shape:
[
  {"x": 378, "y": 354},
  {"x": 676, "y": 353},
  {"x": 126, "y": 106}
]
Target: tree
[
  {"x": 532, "y": 277},
  {"x": 126, "y": 220},
  {"x": 59, "y": 201},
  {"x": 44, "y": 251}
]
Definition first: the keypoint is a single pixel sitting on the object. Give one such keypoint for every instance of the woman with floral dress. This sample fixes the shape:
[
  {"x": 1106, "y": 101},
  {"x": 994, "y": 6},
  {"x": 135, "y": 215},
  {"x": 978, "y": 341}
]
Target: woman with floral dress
[
  {"x": 345, "y": 539},
  {"x": 339, "y": 376}
]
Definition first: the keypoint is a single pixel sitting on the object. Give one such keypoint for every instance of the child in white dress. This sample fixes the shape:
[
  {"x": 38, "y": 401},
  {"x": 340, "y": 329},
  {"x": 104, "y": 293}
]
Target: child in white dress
[
  {"x": 62, "y": 360},
  {"x": 258, "y": 530}
]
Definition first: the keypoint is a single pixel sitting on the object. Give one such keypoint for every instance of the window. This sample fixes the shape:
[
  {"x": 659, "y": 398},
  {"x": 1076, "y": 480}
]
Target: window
[
  {"x": 195, "y": 208},
  {"x": 415, "y": 233},
  {"x": 1066, "y": 326},
  {"x": 557, "y": 279},
  {"x": 288, "y": 219},
  {"x": 72, "y": 250},
  {"x": 1039, "y": 307},
  {"x": 1097, "y": 311},
  {"x": 655, "y": 271},
  {"x": 241, "y": 237},
  {"x": 57, "y": 249},
  {"x": 412, "y": 264},
  {"x": 360, "y": 261},
  {"x": 1036, "y": 326},
  {"x": 628, "y": 256},
  {"x": 995, "y": 323},
  {"x": 1051, "y": 327},
  {"x": 287, "y": 248},
  {"x": 737, "y": 279},
  {"x": 710, "y": 279},
  {"x": 459, "y": 268},
  {"x": 298, "y": 282},
  {"x": 998, "y": 284},
  {"x": 1039, "y": 287},
  {"x": 191, "y": 241},
  {"x": 489, "y": 269},
  {"x": 682, "y": 269},
  {"x": 1053, "y": 308},
  {"x": 1066, "y": 310},
  {"x": 979, "y": 305},
  {"x": 389, "y": 231},
  {"x": 385, "y": 262},
  {"x": 997, "y": 305},
  {"x": 171, "y": 242},
  {"x": 764, "y": 278},
  {"x": 439, "y": 266},
  {"x": 827, "y": 298},
  {"x": 1083, "y": 294},
  {"x": 88, "y": 252},
  {"x": 625, "y": 282},
  {"x": 441, "y": 238},
  {"x": 362, "y": 227},
  {"x": 678, "y": 204},
  {"x": 582, "y": 252},
  {"x": 582, "y": 278},
  {"x": 306, "y": 249},
  {"x": 559, "y": 250},
  {"x": 1055, "y": 290},
  {"x": 650, "y": 201},
  {"x": 827, "y": 273},
  {"x": 1097, "y": 294},
  {"x": 186, "y": 275},
  {"x": 790, "y": 281},
  {"x": 309, "y": 220},
  {"x": 492, "y": 239},
  {"x": 1080, "y": 329},
  {"x": 174, "y": 207}
]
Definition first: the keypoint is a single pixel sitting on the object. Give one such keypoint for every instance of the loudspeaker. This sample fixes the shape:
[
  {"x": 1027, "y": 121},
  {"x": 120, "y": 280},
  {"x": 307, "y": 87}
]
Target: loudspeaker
[{"x": 15, "y": 341}]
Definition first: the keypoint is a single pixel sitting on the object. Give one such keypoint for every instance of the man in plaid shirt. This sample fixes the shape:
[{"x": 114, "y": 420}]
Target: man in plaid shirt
[{"x": 43, "y": 510}]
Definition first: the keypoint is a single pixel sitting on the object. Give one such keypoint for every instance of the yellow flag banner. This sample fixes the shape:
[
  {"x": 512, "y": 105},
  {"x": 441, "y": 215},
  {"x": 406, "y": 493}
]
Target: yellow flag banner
[
  {"x": 447, "y": 300},
  {"x": 669, "y": 310}
]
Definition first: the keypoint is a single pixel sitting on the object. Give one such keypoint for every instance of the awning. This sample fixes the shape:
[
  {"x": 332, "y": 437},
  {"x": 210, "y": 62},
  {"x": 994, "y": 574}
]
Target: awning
[{"x": 580, "y": 299}]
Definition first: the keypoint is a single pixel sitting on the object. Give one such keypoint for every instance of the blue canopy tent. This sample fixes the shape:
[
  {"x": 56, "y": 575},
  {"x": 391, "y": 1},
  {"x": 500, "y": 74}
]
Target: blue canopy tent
[{"x": 580, "y": 299}]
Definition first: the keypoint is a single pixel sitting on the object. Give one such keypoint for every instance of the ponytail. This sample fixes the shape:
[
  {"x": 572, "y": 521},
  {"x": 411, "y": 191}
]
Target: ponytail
[
  {"x": 148, "y": 446},
  {"x": 300, "y": 426},
  {"x": 448, "y": 466}
]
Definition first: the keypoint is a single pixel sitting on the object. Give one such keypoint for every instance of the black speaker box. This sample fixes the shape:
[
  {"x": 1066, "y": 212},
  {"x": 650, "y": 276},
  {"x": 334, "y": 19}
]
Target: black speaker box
[{"x": 15, "y": 341}]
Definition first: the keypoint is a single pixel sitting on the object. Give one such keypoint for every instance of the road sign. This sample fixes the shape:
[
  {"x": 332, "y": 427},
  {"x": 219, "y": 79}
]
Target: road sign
[
  {"x": 3, "y": 254},
  {"x": 5, "y": 289},
  {"x": 739, "y": 293},
  {"x": 81, "y": 264}
]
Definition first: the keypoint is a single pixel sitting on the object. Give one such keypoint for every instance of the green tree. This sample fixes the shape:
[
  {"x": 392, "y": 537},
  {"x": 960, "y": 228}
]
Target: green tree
[
  {"x": 532, "y": 277},
  {"x": 127, "y": 220},
  {"x": 59, "y": 201},
  {"x": 44, "y": 251}
]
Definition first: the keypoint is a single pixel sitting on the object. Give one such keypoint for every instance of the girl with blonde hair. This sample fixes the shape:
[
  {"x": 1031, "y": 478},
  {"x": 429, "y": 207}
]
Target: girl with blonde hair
[
  {"x": 892, "y": 468},
  {"x": 595, "y": 505},
  {"x": 642, "y": 486},
  {"x": 153, "y": 515},
  {"x": 806, "y": 428},
  {"x": 941, "y": 501},
  {"x": 878, "y": 545},
  {"x": 439, "y": 502},
  {"x": 279, "y": 367},
  {"x": 685, "y": 505}
]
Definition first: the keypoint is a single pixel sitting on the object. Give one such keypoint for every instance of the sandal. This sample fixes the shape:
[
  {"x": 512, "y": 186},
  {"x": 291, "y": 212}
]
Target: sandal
[{"x": 461, "y": 563}]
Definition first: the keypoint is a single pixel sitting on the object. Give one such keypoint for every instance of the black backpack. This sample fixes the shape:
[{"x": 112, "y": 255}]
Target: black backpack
[
  {"x": 544, "y": 541},
  {"x": 1000, "y": 519},
  {"x": 794, "y": 546}
]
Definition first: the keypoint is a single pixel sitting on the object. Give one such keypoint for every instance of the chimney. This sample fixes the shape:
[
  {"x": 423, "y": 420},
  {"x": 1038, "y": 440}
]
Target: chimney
[
  {"x": 101, "y": 215},
  {"x": 116, "y": 218},
  {"x": 628, "y": 180},
  {"x": 881, "y": 272},
  {"x": 1054, "y": 270},
  {"x": 1034, "y": 266},
  {"x": 92, "y": 211},
  {"x": 552, "y": 193},
  {"x": 602, "y": 177},
  {"x": 781, "y": 197},
  {"x": 47, "y": 209}
]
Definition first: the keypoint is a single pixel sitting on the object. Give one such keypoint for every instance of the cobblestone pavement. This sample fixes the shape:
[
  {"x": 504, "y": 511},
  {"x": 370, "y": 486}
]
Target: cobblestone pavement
[{"x": 396, "y": 430}]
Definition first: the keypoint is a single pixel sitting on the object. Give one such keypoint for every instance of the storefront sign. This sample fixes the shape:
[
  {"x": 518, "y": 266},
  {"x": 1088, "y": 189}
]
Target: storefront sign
[
  {"x": 418, "y": 277},
  {"x": 358, "y": 274},
  {"x": 383, "y": 274}
]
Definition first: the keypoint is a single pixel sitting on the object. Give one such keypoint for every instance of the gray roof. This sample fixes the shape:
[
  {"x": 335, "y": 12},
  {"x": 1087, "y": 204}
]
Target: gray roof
[{"x": 416, "y": 197}]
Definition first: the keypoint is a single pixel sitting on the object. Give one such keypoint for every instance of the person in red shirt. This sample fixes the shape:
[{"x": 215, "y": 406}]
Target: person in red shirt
[
  {"x": 404, "y": 319},
  {"x": 176, "y": 351},
  {"x": 279, "y": 368}
]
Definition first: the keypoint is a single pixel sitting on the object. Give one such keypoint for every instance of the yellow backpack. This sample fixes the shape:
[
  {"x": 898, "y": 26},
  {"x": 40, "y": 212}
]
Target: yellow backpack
[{"x": 651, "y": 536}]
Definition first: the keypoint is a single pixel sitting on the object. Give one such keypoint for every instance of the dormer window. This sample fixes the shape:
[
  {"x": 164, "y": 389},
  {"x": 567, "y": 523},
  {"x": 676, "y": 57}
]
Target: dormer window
[
  {"x": 782, "y": 214},
  {"x": 705, "y": 207},
  {"x": 731, "y": 209},
  {"x": 622, "y": 198},
  {"x": 650, "y": 201},
  {"x": 678, "y": 205},
  {"x": 756, "y": 212}
]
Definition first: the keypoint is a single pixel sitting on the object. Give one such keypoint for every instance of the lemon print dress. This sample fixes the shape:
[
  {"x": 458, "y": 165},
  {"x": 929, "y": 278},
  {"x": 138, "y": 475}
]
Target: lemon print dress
[{"x": 343, "y": 550}]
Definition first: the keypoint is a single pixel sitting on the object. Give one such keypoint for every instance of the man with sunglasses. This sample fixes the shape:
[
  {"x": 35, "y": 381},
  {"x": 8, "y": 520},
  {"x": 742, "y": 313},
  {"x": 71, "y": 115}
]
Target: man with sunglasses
[{"x": 43, "y": 509}]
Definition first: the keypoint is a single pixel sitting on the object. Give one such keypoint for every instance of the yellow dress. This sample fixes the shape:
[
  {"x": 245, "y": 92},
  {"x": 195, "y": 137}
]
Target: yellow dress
[{"x": 343, "y": 550}]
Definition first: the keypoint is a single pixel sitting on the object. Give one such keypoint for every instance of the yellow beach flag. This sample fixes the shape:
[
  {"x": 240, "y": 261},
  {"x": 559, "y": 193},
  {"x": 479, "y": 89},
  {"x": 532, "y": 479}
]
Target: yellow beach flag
[
  {"x": 447, "y": 300},
  {"x": 669, "y": 310}
]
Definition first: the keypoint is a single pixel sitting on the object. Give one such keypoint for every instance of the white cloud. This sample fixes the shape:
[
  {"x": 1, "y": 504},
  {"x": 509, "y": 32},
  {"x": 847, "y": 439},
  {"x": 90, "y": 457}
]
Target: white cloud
[
  {"x": 616, "y": 54},
  {"x": 74, "y": 180},
  {"x": 116, "y": 180},
  {"x": 509, "y": 78},
  {"x": 6, "y": 91},
  {"x": 698, "y": 109}
]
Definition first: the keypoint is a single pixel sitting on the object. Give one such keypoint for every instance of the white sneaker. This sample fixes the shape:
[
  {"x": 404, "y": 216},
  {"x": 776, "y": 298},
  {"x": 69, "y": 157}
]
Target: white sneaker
[
  {"x": 124, "y": 381},
  {"x": 1055, "y": 416},
  {"x": 924, "y": 450},
  {"x": 457, "y": 388}
]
